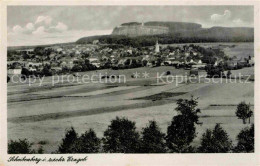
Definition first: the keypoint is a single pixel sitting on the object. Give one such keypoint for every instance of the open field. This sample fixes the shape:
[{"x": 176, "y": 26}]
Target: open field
[
  {"x": 44, "y": 113},
  {"x": 231, "y": 49}
]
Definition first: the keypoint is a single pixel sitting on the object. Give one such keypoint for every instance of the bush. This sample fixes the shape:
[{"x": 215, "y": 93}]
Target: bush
[
  {"x": 40, "y": 150},
  {"x": 213, "y": 71},
  {"x": 70, "y": 137},
  {"x": 246, "y": 139},
  {"x": 152, "y": 139},
  {"x": 121, "y": 137},
  {"x": 168, "y": 73},
  {"x": 86, "y": 143},
  {"x": 25, "y": 72},
  {"x": 244, "y": 112},
  {"x": 216, "y": 141},
  {"x": 19, "y": 147},
  {"x": 46, "y": 71}
]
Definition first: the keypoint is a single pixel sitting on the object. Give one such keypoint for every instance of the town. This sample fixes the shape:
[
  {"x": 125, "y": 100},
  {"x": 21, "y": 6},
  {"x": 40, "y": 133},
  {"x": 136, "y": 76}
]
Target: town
[{"x": 66, "y": 59}]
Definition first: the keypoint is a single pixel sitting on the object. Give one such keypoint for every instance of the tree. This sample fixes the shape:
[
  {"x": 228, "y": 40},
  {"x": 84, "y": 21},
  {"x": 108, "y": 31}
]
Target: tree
[
  {"x": 144, "y": 62},
  {"x": 188, "y": 108},
  {"x": 25, "y": 72},
  {"x": 39, "y": 51},
  {"x": 25, "y": 56},
  {"x": 46, "y": 71},
  {"x": 214, "y": 71},
  {"x": 40, "y": 150},
  {"x": 216, "y": 141},
  {"x": 121, "y": 137},
  {"x": 229, "y": 74},
  {"x": 152, "y": 139},
  {"x": 70, "y": 137},
  {"x": 65, "y": 69},
  {"x": 244, "y": 112},
  {"x": 86, "y": 143},
  {"x": 180, "y": 134},
  {"x": 246, "y": 139},
  {"x": 76, "y": 68},
  {"x": 19, "y": 147},
  {"x": 182, "y": 130}
]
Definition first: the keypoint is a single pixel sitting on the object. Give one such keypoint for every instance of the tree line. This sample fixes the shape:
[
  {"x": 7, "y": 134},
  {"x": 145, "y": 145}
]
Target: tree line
[
  {"x": 205, "y": 36},
  {"x": 121, "y": 136}
]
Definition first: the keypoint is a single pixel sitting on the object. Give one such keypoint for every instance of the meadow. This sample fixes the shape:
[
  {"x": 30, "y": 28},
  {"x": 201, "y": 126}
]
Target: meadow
[{"x": 43, "y": 113}]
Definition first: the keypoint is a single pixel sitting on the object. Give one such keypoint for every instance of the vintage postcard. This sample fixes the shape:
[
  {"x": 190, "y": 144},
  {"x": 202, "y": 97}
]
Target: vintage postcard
[{"x": 129, "y": 83}]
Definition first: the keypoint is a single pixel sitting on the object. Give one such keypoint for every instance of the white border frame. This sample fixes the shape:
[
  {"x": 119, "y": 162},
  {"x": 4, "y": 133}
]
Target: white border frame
[{"x": 133, "y": 159}]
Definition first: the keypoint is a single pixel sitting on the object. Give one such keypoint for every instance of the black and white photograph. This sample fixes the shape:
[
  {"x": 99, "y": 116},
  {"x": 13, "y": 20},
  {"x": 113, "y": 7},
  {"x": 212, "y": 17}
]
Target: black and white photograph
[{"x": 130, "y": 79}]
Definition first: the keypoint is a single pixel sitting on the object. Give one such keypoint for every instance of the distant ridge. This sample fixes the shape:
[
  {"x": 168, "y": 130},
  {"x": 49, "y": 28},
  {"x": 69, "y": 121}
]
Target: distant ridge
[
  {"x": 177, "y": 32},
  {"x": 135, "y": 34},
  {"x": 33, "y": 46}
]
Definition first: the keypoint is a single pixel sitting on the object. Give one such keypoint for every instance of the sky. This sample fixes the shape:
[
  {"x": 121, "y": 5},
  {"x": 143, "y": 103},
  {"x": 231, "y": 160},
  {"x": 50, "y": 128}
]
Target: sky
[{"x": 34, "y": 25}]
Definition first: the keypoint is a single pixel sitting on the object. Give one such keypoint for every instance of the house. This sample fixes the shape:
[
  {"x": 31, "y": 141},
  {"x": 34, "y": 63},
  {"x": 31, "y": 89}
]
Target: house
[
  {"x": 45, "y": 63},
  {"x": 67, "y": 63},
  {"x": 104, "y": 58},
  {"x": 56, "y": 69},
  {"x": 194, "y": 53},
  {"x": 231, "y": 64},
  {"x": 251, "y": 61},
  {"x": 94, "y": 61},
  {"x": 59, "y": 49},
  {"x": 26, "y": 51},
  {"x": 186, "y": 54},
  {"x": 194, "y": 72},
  {"x": 198, "y": 64},
  {"x": 15, "y": 71},
  {"x": 16, "y": 63},
  {"x": 77, "y": 52},
  {"x": 191, "y": 61},
  {"x": 32, "y": 69},
  {"x": 32, "y": 64},
  {"x": 172, "y": 61},
  {"x": 171, "y": 54},
  {"x": 95, "y": 42},
  {"x": 242, "y": 62},
  {"x": 52, "y": 55}
]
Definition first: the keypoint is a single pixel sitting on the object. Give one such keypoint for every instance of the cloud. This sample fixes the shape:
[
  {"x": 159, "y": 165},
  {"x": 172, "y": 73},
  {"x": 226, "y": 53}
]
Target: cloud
[
  {"x": 30, "y": 26},
  {"x": 41, "y": 37},
  {"x": 18, "y": 29},
  {"x": 47, "y": 20},
  {"x": 60, "y": 27},
  {"x": 219, "y": 17},
  {"x": 39, "y": 31},
  {"x": 238, "y": 21},
  {"x": 42, "y": 25}
]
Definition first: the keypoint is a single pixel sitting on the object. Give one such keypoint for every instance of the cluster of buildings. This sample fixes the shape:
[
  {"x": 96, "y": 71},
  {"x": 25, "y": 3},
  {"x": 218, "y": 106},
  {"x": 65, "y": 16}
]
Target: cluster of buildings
[{"x": 111, "y": 56}]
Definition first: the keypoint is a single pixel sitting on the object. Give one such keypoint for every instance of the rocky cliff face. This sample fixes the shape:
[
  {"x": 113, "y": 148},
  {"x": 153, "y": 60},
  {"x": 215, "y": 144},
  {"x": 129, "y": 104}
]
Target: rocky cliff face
[
  {"x": 139, "y": 30},
  {"x": 153, "y": 28}
]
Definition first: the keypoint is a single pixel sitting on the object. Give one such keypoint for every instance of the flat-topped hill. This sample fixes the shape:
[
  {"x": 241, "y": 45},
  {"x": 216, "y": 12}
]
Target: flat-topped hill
[
  {"x": 135, "y": 34},
  {"x": 153, "y": 28}
]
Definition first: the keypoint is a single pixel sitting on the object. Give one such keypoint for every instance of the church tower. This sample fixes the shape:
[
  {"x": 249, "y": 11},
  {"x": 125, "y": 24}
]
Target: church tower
[{"x": 157, "y": 47}]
